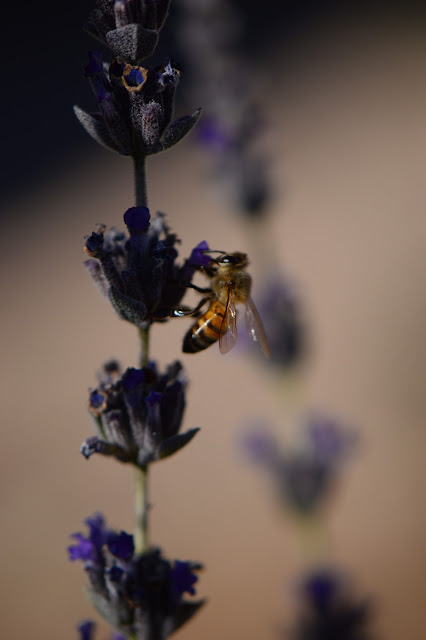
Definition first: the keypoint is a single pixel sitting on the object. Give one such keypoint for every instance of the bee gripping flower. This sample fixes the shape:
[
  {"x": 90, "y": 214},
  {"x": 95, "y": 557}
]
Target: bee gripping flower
[
  {"x": 138, "y": 416},
  {"x": 141, "y": 595},
  {"x": 139, "y": 273}
]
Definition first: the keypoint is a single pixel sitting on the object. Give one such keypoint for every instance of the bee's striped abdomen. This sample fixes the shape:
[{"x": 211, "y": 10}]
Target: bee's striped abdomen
[{"x": 206, "y": 330}]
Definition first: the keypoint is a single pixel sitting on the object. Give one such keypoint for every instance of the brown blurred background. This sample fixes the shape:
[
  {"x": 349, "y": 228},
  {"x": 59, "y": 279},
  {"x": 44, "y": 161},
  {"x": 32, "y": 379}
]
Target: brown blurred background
[{"x": 347, "y": 132}]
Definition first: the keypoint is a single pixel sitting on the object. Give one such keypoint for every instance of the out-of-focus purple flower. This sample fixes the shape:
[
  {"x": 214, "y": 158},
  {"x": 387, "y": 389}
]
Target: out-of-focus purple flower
[
  {"x": 231, "y": 126},
  {"x": 142, "y": 596},
  {"x": 282, "y": 318},
  {"x": 329, "y": 610},
  {"x": 139, "y": 273},
  {"x": 138, "y": 414},
  {"x": 260, "y": 446},
  {"x": 212, "y": 135},
  {"x": 303, "y": 475},
  {"x": 87, "y": 628},
  {"x": 88, "y": 548}
]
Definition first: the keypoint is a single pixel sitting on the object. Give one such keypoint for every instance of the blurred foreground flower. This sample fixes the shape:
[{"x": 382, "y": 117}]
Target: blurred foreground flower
[
  {"x": 329, "y": 610},
  {"x": 141, "y": 595},
  {"x": 138, "y": 413},
  {"x": 305, "y": 475}
]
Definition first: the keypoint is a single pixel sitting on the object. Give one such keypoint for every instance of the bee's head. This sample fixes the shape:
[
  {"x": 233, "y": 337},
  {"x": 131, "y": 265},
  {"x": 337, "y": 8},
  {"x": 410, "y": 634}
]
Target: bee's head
[{"x": 235, "y": 259}]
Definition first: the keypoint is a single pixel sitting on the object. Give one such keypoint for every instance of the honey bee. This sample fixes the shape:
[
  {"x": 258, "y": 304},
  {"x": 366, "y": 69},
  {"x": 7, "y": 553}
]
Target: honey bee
[{"x": 230, "y": 285}]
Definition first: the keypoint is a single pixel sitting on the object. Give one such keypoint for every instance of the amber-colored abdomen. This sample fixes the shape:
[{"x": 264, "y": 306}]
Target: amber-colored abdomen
[{"x": 206, "y": 330}]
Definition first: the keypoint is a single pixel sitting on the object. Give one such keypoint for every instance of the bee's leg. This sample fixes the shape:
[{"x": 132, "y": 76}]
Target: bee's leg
[
  {"x": 189, "y": 285},
  {"x": 180, "y": 312},
  {"x": 199, "y": 289}
]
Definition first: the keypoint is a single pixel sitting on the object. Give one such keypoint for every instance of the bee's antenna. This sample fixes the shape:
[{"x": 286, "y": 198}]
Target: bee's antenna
[{"x": 224, "y": 253}]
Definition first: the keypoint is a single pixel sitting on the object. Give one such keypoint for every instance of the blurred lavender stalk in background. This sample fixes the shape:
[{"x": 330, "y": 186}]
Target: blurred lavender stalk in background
[
  {"x": 303, "y": 475},
  {"x": 232, "y": 133}
]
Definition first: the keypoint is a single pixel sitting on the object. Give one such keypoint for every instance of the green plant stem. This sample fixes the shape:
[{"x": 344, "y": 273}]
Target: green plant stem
[
  {"x": 140, "y": 180},
  {"x": 144, "y": 356},
  {"x": 141, "y": 474},
  {"x": 141, "y": 510}
]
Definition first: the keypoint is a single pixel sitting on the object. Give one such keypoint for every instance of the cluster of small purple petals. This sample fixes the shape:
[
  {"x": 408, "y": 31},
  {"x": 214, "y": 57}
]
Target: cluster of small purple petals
[
  {"x": 141, "y": 595},
  {"x": 303, "y": 475},
  {"x": 87, "y": 628},
  {"x": 329, "y": 610},
  {"x": 138, "y": 414},
  {"x": 135, "y": 107},
  {"x": 139, "y": 273}
]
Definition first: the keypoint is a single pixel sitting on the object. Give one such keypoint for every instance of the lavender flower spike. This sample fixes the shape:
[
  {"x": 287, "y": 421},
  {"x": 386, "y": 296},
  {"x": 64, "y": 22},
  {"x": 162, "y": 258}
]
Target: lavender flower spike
[
  {"x": 141, "y": 595},
  {"x": 139, "y": 273},
  {"x": 138, "y": 414},
  {"x": 136, "y": 106}
]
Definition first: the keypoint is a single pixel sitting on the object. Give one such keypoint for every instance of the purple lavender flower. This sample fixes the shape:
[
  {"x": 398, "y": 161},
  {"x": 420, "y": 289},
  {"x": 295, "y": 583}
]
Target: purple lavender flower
[
  {"x": 139, "y": 273},
  {"x": 282, "y": 318},
  {"x": 329, "y": 611},
  {"x": 138, "y": 416},
  {"x": 222, "y": 81},
  {"x": 305, "y": 475},
  {"x": 128, "y": 27},
  {"x": 135, "y": 107},
  {"x": 141, "y": 595},
  {"x": 86, "y": 630}
]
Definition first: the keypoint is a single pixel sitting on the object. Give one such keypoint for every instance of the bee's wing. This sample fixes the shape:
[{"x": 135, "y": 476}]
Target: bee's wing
[
  {"x": 255, "y": 327},
  {"x": 228, "y": 330}
]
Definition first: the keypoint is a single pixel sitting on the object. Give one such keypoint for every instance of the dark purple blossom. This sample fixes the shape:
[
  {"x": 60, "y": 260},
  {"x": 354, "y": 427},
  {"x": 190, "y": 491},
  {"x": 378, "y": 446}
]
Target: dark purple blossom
[
  {"x": 87, "y": 628},
  {"x": 305, "y": 474},
  {"x": 121, "y": 545},
  {"x": 136, "y": 107},
  {"x": 140, "y": 415},
  {"x": 139, "y": 273},
  {"x": 183, "y": 578},
  {"x": 88, "y": 548},
  {"x": 128, "y": 27},
  {"x": 282, "y": 317},
  {"x": 329, "y": 610},
  {"x": 140, "y": 595}
]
